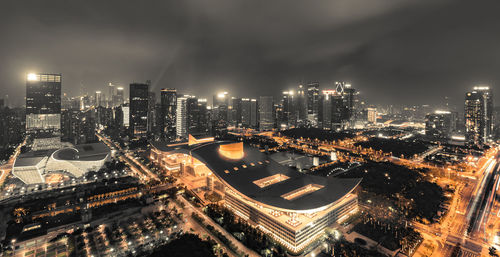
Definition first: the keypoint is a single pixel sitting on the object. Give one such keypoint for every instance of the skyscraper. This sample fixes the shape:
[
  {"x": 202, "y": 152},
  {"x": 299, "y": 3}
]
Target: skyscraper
[
  {"x": 139, "y": 99},
  {"x": 313, "y": 103},
  {"x": 235, "y": 111},
  {"x": 196, "y": 112},
  {"x": 43, "y": 105},
  {"x": 266, "y": 116},
  {"x": 220, "y": 109},
  {"x": 168, "y": 110},
  {"x": 118, "y": 98},
  {"x": 98, "y": 98},
  {"x": 288, "y": 108},
  {"x": 151, "y": 111},
  {"x": 478, "y": 116},
  {"x": 440, "y": 124},
  {"x": 301, "y": 103},
  {"x": 181, "y": 117}
]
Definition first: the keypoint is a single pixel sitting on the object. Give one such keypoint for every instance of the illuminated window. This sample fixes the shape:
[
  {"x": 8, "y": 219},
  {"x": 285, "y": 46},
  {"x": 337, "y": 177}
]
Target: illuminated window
[
  {"x": 226, "y": 171},
  {"x": 244, "y": 166},
  {"x": 235, "y": 168},
  {"x": 260, "y": 163},
  {"x": 271, "y": 180},
  {"x": 267, "y": 161},
  {"x": 252, "y": 164},
  {"x": 299, "y": 192}
]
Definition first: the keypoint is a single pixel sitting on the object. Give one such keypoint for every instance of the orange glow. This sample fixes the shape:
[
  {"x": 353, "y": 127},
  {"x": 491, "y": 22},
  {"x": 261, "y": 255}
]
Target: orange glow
[
  {"x": 299, "y": 192},
  {"x": 271, "y": 180},
  {"x": 232, "y": 151}
]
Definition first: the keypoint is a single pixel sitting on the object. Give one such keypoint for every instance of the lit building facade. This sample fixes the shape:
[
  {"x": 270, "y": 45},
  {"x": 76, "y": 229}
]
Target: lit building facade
[
  {"x": 293, "y": 208},
  {"x": 43, "y": 105},
  {"x": 266, "y": 115},
  {"x": 139, "y": 101},
  {"x": 168, "y": 102},
  {"x": 313, "y": 103},
  {"x": 440, "y": 124},
  {"x": 478, "y": 116}
]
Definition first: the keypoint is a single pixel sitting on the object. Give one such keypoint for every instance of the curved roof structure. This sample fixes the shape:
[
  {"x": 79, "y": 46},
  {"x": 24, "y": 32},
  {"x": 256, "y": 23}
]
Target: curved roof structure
[
  {"x": 283, "y": 183},
  {"x": 87, "y": 152}
]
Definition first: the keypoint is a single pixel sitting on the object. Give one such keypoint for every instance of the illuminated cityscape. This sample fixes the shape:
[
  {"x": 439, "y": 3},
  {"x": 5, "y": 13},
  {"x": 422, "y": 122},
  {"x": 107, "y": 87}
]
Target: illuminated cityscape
[{"x": 238, "y": 129}]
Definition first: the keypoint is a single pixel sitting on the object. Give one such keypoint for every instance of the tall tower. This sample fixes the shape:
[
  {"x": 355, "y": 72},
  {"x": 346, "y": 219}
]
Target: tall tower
[
  {"x": 301, "y": 103},
  {"x": 139, "y": 99},
  {"x": 98, "y": 99},
  {"x": 168, "y": 109},
  {"x": 266, "y": 117},
  {"x": 478, "y": 116},
  {"x": 181, "y": 117},
  {"x": 313, "y": 103},
  {"x": 43, "y": 105}
]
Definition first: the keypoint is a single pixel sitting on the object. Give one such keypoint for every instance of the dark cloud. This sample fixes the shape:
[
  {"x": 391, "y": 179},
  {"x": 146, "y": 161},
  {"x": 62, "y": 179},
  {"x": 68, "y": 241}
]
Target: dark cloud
[{"x": 407, "y": 51}]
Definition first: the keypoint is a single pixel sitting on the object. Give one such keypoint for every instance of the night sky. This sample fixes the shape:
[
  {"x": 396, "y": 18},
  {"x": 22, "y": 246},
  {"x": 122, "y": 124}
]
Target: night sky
[{"x": 399, "y": 51}]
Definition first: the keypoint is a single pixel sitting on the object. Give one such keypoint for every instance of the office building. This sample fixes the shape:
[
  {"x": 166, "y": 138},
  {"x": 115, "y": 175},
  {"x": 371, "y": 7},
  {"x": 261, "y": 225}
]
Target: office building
[
  {"x": 440, "y": 124},
  {"x": 139, "y": 107},
  {"x": 371, "y": 115},
  {"x": 181, "y": 117},
  {"x": 289, "y": 118},
  {"x": 266, "y": 114},
  {"x": 478, "y": 116},
  {"x": 313, "y": 103},
  {"x": 197, "y": 119},
  {"x": 168, "y": 110},
  {"x": 43, "y": 105}
]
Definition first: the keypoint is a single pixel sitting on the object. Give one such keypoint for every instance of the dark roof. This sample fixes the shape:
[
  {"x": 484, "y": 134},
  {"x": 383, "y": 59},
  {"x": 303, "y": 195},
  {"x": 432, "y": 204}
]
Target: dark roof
[
  {"x": 31, "y": 158},
  {"x": 242, "y": 179},
  {"x": 85, "y": 152}
]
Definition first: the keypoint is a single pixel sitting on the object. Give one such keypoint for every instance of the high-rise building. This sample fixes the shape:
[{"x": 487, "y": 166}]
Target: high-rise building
[
  {"x": 196, "y": 112},
  {"x": 139, "y": 99},
  {"x": 151, "y": 112},
  {"x": 301, "y": 104},
  {"x": 313, "y": 103},
  {"x": 266, "y": 115},
  {"x": 43, "y": 105},
  {"x": 440, "y": 124},
  {"x": 181, "y": 117},
  {"x": 288, "y": 109},
  {"x": 235, "y": 111},
  {"x": 327, "y": 109},
  {"x": 220, "y": 110},
  {"x": 254, "y": 113},
  {"x": 478, "y": 116},
  {"x": 119, "y": 97},
  {"x": 168, "y": 110},
  {"x": 98, "y": 98},
  {"x": 111, "y": 94},
  {"x": 371, "y": 115}
]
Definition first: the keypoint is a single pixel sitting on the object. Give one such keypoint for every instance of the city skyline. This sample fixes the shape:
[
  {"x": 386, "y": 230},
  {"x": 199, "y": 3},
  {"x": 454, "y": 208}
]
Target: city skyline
[{"x": 386, "y": 53}]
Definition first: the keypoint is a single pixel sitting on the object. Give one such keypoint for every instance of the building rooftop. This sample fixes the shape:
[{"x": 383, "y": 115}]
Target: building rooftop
[
  {"x": 247, "y": 175},
  {"x": 84, "y": 152}
]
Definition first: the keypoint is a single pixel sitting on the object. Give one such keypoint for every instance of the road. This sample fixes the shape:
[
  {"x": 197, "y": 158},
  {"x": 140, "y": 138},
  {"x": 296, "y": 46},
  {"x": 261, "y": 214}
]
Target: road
[
  {"x": 189, "y": 209},
  {"x": 138, "y": 168},
  {"x": 461, "y": 231},
  {"x": 7, "y": 167}
]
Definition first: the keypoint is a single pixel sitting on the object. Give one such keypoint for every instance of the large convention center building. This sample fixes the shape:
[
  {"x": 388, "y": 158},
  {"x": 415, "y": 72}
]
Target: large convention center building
[
  {"x": 292, "y": 207},
  {"x": 35, "y": 167}
]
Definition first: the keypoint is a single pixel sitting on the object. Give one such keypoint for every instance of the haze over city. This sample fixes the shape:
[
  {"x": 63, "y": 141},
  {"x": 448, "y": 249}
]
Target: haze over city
[{"x": 396, "y": 51}]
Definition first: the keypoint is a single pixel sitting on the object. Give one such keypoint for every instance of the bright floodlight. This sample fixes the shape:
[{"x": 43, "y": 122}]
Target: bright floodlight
[{"x": 32, "y": 77}]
